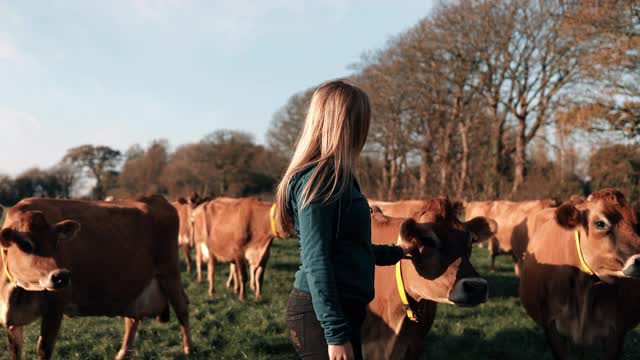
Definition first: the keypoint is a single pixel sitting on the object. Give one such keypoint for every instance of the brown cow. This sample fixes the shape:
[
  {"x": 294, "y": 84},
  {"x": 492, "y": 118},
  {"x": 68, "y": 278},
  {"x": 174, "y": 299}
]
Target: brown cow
[
  {"x": 399, "y": 209},
  {"x": 234, "y": 231},
  {"x": 439, "y": 272},
  {"x": 85, "y": 258},
  {"x": 511, "y": 217},
  {"x": 579, "y": 274},
  {"x": 185, "y": 208}
]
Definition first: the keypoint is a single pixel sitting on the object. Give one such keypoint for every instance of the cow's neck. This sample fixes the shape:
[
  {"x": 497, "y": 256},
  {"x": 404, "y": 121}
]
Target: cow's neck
[
  {"x": 413, "y": 297},
  {"x": 565, "y": 250},
  {"x": 6, "y": 289},
  {"x": 574, "y": 251}
]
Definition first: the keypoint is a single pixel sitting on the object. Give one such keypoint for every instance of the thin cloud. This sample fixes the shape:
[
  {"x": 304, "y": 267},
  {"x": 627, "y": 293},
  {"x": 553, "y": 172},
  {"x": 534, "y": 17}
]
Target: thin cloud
[
  {"x": 17, "y": 123},
  {"x": 231, "y": 21},
  {"x": 239, "y": 23},
  {"x": 29, "y": 141},
  {"x": 8, "y": 49},
  {"x": 156, "y": 10}
]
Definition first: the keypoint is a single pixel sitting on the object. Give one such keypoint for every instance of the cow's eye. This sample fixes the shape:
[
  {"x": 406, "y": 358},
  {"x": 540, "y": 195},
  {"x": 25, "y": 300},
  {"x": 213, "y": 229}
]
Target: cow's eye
[
  {"x": 600, "y": 225},
  {"x": 25, "y": 246}
]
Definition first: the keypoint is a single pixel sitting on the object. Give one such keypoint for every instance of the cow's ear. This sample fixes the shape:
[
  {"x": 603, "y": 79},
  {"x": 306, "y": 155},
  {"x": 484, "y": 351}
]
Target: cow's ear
[
  {"x": 568, "y": 216},
  {"x": 410, "y": 233},
  {"x": 7, "y": 236},
  {"x": 408, "y": 229},
  {"x": 377, "y": 215},
  {"x": 483, "y": 228},
  {"x": 67, "y": 229},
  {"x": 194, "y": 198}
]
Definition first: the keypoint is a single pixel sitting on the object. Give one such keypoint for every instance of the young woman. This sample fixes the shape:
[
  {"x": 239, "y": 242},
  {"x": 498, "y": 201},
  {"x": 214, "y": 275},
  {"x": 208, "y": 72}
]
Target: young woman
[{"x": 319, "y": 200}]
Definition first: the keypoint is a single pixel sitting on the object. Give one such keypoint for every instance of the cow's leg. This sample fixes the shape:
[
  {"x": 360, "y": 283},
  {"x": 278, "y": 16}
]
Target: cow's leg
[
  {"x": 556, "y": 342},
  {"x": 258, "y": 282},
  {"x": 259, "y": 277},
  {"x": 231, "y": 280},
  {"x": 211, "y": 269},
  {"x": 187, "y": 256},
  {"x": 130, "y": 328},
  {"x": 236, "y": 284},
  {"x": 240, "y": 277},
  {"x": 16, "y": 339},
  {"x": 252, "y": 276},
  {"x": 494, "y": 250},
  {"x": 49, "y": 328},
  {"x": 173, "y": 290},
  {"x": 199, "y": 264}
]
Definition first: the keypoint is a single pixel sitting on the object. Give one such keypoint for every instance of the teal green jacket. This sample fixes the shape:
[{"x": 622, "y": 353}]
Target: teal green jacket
[{"x": 337, "y": 257}]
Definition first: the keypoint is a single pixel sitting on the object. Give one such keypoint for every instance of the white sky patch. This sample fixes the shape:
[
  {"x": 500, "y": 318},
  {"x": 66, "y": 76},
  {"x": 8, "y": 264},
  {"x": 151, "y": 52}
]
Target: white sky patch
[
  {"x": 8, "y": 16},
  {"x": 19, "y": 132},
  {"x": 156, "y": 10},
  {"x": 28, "y": 142},
  {"x": 17, "y": 123},
  {"x": 236, "y": 23},
  {"x": 11, "y": 53},
  {"x": 8, "y": 49}
]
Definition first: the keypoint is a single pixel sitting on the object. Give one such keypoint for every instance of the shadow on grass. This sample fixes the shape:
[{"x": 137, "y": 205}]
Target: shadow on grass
[
  {"x": 287, "y": 267},
  {"x": 511, "y": 343},
  {"x": 501, "y": 286}
]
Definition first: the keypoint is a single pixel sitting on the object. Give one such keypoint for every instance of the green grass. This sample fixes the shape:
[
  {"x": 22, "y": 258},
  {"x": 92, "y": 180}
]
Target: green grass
[{"x": 224, "y": 328}]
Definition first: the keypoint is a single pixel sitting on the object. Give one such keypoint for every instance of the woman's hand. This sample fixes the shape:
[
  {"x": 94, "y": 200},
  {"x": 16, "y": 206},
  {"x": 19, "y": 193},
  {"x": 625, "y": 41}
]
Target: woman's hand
[
  {"x": 408, "y": 248},
  {"x": 341, "y": 352}
]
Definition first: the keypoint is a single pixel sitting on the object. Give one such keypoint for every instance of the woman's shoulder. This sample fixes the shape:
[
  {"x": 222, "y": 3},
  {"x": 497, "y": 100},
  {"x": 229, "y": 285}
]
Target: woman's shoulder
[{"x": 302, "y": 176}]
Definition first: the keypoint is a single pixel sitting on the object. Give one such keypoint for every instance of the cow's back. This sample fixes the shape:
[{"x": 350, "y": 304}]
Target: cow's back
[
  {"x": 399, "y": 209},
  {"x": 512, "y": 218},
  {"x": 235, "y": 224}
]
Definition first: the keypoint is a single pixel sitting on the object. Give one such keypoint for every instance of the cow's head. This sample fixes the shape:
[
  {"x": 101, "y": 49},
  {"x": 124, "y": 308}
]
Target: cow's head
[
  {"x": 31, "y": 247},
  {"x": 609, "y": 233},
  {"x": 442, "y": 270},
  {"x": 194, "y": 199}
]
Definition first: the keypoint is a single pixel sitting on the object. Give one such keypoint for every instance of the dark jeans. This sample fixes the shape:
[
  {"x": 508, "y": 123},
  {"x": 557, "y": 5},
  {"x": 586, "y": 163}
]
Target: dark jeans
[{"x": 306, "y": 333}]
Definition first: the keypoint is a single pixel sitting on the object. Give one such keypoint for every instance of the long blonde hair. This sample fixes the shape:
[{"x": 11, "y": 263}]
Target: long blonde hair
[{"x": 333, "y": 136}]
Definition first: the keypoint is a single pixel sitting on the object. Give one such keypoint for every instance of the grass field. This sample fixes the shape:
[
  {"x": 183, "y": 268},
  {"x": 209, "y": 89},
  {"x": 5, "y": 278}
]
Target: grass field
[{"x": 224, "y": 328}]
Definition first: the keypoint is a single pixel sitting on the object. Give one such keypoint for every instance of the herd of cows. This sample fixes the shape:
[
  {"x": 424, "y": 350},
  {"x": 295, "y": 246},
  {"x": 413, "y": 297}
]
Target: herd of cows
[{"x": 577, "y": 262}]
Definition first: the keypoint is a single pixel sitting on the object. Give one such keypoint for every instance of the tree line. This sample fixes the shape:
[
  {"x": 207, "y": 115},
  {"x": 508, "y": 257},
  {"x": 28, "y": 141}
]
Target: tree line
[
  {"x": 489, "y": 99},
  {"x": 481, "y": 99}
]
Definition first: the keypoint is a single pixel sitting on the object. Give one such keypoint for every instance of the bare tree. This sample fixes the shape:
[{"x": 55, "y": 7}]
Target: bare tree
[
  {"x": 142, "y": 170},
  {"x": 287, "y": 123},
  {"x": 100, "y": 162}
]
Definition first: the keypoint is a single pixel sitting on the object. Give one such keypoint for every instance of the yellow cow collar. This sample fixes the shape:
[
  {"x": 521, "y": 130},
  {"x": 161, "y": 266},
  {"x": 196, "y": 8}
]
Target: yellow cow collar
[
  {"x": 401, "y": 291},
  {"x": 3, "y": 252},
  {"x": 5, "y": 267},
  {"x": 585, "y": 267}
]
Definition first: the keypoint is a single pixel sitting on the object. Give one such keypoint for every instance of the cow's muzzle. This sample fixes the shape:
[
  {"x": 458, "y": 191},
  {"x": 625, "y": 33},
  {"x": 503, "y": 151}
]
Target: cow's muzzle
[
  {"x": 632, "y": 267},
  {"x": 59, "y": 279},
  {"x": 469, "y": 292}
]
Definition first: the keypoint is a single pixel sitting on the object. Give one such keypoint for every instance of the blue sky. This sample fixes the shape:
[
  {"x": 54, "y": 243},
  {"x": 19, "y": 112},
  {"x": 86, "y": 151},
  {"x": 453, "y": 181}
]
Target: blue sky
[{"x": 120, "y": 72}]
